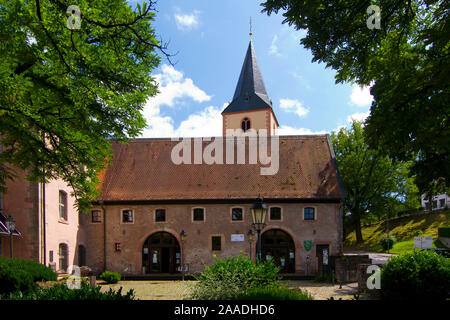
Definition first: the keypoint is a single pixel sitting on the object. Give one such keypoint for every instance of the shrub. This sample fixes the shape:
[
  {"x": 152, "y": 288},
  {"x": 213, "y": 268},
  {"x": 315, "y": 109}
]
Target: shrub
[
  {"x": 416, "y": 275},
  {"x": 273, "y": 293},
  {"x": 62, "y": 292},
  {"x": 21, "y": 274},
  {"x": 387, "y": 242},
  {"x": 110, "y": 277},
  {"x": 444, "y": 232},
  {"x": 226, "y": 279}
]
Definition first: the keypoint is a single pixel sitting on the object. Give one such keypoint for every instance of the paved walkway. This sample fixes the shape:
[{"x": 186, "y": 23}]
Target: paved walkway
[
  {"x": 324, "y": 291},
  {"x": 377, "y": 257}
]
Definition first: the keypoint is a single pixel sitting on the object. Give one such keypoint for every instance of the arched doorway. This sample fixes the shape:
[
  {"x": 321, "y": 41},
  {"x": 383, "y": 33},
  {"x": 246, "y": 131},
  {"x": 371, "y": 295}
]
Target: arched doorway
[
  {"x": 160, "y": 253},
  {"x": 279, "y": 246}
]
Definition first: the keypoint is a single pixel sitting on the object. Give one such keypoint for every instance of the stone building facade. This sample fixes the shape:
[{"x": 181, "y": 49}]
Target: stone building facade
[
  {"x": 156, "y": 188},
  {"x": 47, "y": 223}
]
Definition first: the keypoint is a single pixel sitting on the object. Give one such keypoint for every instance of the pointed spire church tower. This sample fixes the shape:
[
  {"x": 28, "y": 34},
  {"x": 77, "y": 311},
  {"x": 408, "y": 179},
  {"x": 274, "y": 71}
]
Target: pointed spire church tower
[{"x": 251, "y": 107}]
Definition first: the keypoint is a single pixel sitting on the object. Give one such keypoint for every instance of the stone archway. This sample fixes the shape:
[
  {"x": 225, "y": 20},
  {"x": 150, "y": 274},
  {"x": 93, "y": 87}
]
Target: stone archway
[
  {"x": 278, "y": 245},
  {"x": 160, "y": 253}
]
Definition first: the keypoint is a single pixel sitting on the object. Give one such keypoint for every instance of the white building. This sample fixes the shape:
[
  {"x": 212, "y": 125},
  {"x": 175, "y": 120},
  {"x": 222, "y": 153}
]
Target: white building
[{"x": 440, "y": 201}]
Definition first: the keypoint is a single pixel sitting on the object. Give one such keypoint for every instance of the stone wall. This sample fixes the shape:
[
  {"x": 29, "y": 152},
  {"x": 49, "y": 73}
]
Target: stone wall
[
  {"x": 445, "y": 241},
  {"x": 198, "y": 252},
  {"x": 346, "y": 267}
]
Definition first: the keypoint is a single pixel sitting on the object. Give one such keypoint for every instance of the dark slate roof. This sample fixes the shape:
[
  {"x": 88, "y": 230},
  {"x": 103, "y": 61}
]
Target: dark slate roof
[{"x": 250, "y": 93}]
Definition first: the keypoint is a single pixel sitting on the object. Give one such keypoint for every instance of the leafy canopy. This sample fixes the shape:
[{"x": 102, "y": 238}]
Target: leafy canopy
[
  {"x": 406, "y": 62},
  {"x": 374, "y": 183},
  {"x": 65, "y": 91}
]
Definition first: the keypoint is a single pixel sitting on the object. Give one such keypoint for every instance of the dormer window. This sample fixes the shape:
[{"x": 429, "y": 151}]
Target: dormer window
[{"x": 245, "y": 125}]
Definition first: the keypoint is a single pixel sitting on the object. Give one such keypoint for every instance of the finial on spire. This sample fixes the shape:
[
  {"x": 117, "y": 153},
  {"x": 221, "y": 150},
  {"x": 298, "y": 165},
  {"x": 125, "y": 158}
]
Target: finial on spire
[{"x": 251, "y": 28}]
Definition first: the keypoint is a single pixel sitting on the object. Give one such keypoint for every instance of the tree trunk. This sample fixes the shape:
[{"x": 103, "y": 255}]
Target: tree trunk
[{"x": 358, "y": 233}]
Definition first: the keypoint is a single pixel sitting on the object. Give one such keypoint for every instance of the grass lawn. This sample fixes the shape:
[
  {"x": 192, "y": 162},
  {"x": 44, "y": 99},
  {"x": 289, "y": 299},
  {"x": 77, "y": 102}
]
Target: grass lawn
[{"x": 404, "y": 229}]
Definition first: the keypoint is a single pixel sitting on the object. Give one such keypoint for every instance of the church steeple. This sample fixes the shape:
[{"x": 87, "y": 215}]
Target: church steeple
[
  {"x": 251, "y": 107},
  {"x": 250, "y": 93}
]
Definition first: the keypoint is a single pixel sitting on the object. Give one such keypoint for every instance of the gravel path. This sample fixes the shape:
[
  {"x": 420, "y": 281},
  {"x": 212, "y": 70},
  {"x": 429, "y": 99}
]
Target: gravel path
[{"x": 177, "y": 290}]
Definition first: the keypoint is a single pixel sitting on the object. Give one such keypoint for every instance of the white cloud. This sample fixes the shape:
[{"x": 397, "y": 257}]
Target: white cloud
[
  {"x": 187, "y": 22},
  {"x": 206, "y": 123},
  {"x": 295, "y": 106},
  {"x": 361, "y": 96},
  {"x": 173, "y": 87},
  {"x": 288, "y": 131},
  {"x": 359, "y": 116},
  {"x": 273, "y": 50}
]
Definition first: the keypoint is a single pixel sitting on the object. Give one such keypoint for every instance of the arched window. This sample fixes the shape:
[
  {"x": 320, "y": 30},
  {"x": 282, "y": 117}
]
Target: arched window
[
  {"x": 245, "y": 125},
  {"x": 63, "y": 257}
]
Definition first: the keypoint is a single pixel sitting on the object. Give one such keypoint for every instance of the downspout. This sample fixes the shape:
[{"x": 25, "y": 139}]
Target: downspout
[
  {"x": 341, "y": 228},
  {"x": 44, "y": 220},
  {"x": 104, "y": 234},
  {"x": 44, "y": 229}
]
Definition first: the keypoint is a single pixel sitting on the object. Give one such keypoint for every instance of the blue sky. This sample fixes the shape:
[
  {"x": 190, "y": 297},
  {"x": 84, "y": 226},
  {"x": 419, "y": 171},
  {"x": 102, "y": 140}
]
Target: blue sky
[{"x": 210, "y": 38}]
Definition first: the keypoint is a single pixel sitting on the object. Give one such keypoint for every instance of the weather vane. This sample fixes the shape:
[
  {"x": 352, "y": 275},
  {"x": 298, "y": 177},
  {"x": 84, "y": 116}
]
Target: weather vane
[{"x": 250, "y": 28}]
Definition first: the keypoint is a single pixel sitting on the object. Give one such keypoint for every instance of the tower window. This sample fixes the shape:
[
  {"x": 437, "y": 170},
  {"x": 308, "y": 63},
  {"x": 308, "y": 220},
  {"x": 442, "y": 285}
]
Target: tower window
[{"x": 245, "y": 125}]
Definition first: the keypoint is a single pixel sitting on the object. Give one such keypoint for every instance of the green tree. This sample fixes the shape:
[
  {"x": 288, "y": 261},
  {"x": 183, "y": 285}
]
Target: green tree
[
  {"x": 406, "y": 61},
  {"x": 69, "y": 81},
  {"x": 373, "y": 182}
]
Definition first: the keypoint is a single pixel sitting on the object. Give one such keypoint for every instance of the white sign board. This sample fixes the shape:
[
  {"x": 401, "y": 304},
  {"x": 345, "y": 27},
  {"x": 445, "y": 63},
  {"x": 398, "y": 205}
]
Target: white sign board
[
  {"x": 237, "y": 237},
  {"x": 423, "y": 242}
]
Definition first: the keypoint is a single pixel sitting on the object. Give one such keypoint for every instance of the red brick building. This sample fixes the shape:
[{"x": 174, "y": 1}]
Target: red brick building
[{"x": 148, "y": 198}]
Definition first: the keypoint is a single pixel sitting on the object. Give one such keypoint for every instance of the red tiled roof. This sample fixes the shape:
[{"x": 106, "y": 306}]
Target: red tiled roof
[{"x": 143, "y": 170}]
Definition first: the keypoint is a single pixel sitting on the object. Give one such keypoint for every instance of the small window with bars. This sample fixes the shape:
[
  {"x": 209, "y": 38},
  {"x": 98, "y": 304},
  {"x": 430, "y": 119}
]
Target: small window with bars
[
  {"x": 237, "y": 214},
  {"x": 309, "y": 214},
  {"x": 96, "y": 216},
  {"x": 160, "y": 215},
  {"x": 127, "y": 216},
  {"x": 275, "y": 213},
  {"x": 198, "y": 214}
]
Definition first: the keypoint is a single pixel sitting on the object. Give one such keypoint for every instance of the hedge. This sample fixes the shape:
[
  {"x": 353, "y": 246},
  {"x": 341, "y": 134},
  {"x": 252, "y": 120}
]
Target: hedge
[
  {"x": 62, "y": 292},
  {"x": 423, "y": 275},
  {"x": 21, "y": 274}
]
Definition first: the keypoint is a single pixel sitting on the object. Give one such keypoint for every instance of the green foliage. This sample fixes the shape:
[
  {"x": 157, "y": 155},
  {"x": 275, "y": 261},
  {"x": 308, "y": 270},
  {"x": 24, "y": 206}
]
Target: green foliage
[
  {"x": 405, "y": 61},
  {"x": 444, "y": 232},
  {"x": 372, "y": 181},
  {"x": 403, "y": 228},
  {"x": 387, "y": 242},
  {"x": 62, "y": 292},
  {"x": 65, "y": 92},
  {"x": 21, "y": 274},
  {"x": 110, "y": 277},
  {"x": 274, "y": 293},
  {"x": 421, "y": 275},
  {"x": 226, "y": 279}
]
